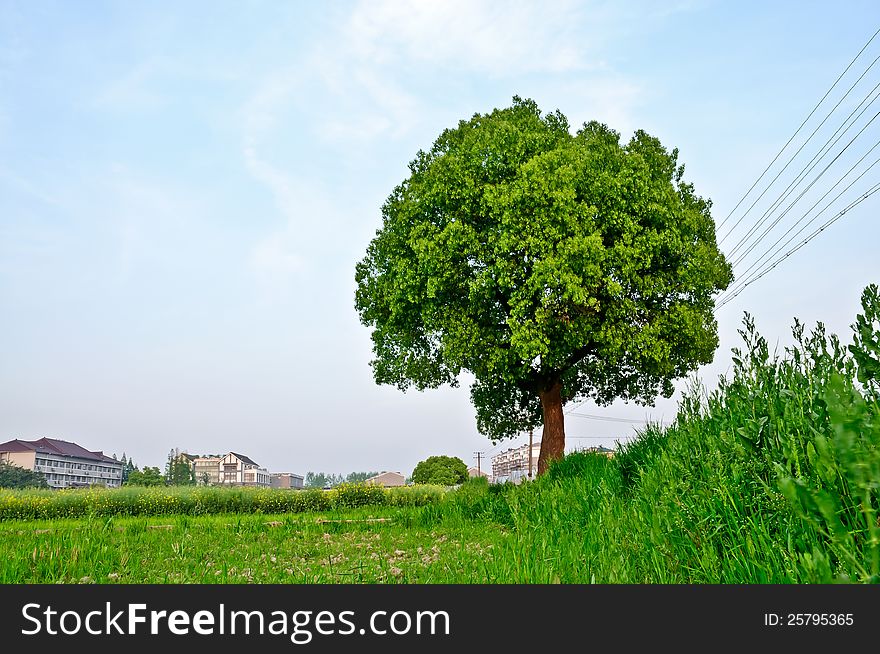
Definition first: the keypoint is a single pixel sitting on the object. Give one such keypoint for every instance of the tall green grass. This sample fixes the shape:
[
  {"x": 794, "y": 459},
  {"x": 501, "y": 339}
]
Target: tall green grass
[
  {"x": 771, "y": 478},
  {"x": 190, "y": 500}
]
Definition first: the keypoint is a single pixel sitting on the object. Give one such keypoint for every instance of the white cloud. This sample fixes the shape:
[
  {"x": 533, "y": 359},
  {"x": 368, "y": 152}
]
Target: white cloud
[
  {"x": 500, "y": 38},
  {"x": 277, "y": 257},
  {"x": 359, "y": 85},
  {"x": 366, "y": 106}
]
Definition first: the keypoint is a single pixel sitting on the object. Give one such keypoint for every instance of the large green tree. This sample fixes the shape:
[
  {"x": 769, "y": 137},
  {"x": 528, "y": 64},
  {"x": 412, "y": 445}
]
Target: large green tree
[{"x": 550, "y": 265}]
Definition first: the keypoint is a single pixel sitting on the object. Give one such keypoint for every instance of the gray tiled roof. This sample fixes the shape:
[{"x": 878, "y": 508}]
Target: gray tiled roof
[
  {"x": 245, "y": 459},
  {"x": 55, "y": 446}
]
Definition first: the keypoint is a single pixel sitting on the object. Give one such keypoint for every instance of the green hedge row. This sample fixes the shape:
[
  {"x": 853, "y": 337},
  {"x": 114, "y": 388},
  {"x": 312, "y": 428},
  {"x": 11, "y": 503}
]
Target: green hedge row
[{"x": 140, "y": 501}]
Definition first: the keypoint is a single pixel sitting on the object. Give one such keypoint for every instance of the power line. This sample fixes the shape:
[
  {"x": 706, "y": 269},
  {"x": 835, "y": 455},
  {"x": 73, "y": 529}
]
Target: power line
[
  {"x": 773, "y": 250},
  {"x": 769, "y": 259},
  {"x": 813, "y": 206},
  {"x": 805, "y": 171},
  {"x": 797, "y": 131},
  {"x": 611, "y": 418},
  {"x": 794, "y": 156},
  {"x": 576, "y": 406},
  {"x": 813, "y": 235}
]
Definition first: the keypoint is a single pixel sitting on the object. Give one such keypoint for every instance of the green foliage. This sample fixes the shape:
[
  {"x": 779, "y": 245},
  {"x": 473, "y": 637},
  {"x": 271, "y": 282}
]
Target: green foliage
[
  {"x": 331, "y": 480},
  {"x": 322, "y": 480},
  {"x": 203, "y": 500},
  {"x": 421, "y": 495},
  {"x": 581, "y": 465},
  {"x": 359, "y": 477},
  {"x": 352, "y": 496},
  {"x": 529, "y": 256},
  {"x": 179, "y": 470},
  {"x": 441, "y": 471},
  {"x": 477, "y": 500},
  {"x": 127, "y": 467},
  {"x": 865, "y": 348},
  {"x": 12, "y": 476},
  {"x": 149, "y": 477},
  {"x": 638, "y": 454},
  {"x": 270, "y": 548},
  {"x": 180, "y": 473}
]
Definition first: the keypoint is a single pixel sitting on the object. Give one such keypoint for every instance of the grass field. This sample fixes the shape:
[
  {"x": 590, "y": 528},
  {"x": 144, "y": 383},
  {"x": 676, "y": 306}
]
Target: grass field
[
  {"x": 771, "y": 478},
  {"x": 243, "y": 549}
]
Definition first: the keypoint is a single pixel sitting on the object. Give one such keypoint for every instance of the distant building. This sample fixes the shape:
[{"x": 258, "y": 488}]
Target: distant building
[
  {"x": 474, "y": 472},
  {"x": 513, "y": 464},
  {"x": 285, "y": 480},
  {"x": 387, "y": 479},
  {"x": 239, "y": 470},
  {"x": 62, "y": 463},
  {"x": 230, "y": 469},
  {"x": 207, "y": 469}
]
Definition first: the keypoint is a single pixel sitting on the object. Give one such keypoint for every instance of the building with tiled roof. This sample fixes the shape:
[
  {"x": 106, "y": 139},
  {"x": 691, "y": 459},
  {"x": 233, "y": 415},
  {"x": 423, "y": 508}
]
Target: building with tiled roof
[
  {"x": 232, "y": 469},
  {"x": 387, "y": 479},
  {"x": 62, "y": 463}
]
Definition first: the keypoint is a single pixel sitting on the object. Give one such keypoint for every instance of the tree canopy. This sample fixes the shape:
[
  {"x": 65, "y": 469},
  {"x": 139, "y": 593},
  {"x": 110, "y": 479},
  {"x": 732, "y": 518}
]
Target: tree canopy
[
  {"x": 179, "y": 470},
  {"x": 443, "y": 470},
  {"x": 149, "y": 477},
  {"x": 550, "y": 265},
  {"x": 12, "y": 476},
  {"x": 324, "y": 480}
]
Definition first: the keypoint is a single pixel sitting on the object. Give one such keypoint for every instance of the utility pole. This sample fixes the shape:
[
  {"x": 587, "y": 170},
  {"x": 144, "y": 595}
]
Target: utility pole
[
  {"x": 478, "y": 455},
  {"x": 530, "y": 452}
]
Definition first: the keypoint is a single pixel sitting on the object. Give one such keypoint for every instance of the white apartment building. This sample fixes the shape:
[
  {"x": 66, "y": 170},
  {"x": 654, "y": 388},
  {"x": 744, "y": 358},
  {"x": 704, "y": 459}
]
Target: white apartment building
[
  {"x": 513, "y": 464},
  {"x": 62, "y": 463}
]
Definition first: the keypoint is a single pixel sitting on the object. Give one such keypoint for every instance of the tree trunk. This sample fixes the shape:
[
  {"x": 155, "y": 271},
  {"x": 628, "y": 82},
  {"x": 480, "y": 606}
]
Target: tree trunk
[{"x": 553, "y": 438}]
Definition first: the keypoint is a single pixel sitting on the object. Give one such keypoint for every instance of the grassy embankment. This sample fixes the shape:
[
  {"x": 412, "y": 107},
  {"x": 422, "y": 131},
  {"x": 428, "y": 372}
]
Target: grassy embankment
[{"x": 773, "y": 477}]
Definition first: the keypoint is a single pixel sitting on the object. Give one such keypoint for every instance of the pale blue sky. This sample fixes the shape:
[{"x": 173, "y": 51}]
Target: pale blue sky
[{"x": 185, "y": 189}]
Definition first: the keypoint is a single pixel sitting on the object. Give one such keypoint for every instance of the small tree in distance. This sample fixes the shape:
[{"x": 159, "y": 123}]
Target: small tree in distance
[
  {"x": 12, "y": 476},
  {"x": 441, "y": 470},
  {"x": 149, "y": 477}
]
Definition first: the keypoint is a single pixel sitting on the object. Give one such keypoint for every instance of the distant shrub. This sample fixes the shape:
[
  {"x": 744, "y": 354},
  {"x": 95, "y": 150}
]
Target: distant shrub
[
  {"x": 311, "y": 500},
  {"x": 152, "y": 501},
  {"x": 351, "y": 496}
]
